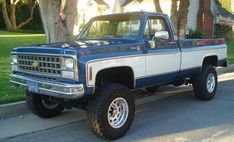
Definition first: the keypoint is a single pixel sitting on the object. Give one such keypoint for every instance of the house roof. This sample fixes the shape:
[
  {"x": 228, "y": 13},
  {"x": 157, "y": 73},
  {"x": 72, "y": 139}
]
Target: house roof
[
  {"x": 224, "y": 12},
  {"x": 123, "y": 3},
  {"x": 129, "y": 1},
  {"x": 101, "y": 2}
]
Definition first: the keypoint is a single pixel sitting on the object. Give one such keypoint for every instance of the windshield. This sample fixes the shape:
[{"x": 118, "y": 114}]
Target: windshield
[{"x": 114, "y": 26}]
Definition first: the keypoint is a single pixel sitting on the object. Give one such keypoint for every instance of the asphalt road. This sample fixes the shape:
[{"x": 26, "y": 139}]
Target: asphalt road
[{"x": 168, "y": 117}]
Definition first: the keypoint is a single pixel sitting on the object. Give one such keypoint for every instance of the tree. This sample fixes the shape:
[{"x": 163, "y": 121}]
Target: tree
[
  {"x": 10, "y": 21},
  {"x": 178, "y": 15},
  {"x": 157, "y": 6},
  {"x": 174, "y": 7},
  {"x": 59, "y": 18},
  {"x": 114, "y": 5},
  {"x": 182, "y": 17}
]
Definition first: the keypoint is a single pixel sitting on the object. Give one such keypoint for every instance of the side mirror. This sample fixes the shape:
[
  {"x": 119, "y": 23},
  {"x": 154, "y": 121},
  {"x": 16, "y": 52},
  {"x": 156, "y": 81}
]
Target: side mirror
[{"x": 161, "y": 35}]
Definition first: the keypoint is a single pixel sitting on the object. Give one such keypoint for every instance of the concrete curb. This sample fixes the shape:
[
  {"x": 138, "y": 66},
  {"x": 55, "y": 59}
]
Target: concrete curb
[
  {"x": 13, "y": 109},
  {"x": 223, "y": 70},
  {"x": 20, "y": 108}
]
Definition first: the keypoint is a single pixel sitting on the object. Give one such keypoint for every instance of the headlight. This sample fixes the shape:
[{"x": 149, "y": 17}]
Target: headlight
[
  {"x": 69, "y": 68},
  {"x": 68, "y": 63},
  {"x": 14, "y": 59},
  {"x": 14, "y": 66}
]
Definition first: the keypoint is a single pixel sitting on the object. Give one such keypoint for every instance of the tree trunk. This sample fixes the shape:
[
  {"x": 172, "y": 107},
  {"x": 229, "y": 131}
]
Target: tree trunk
[
  {"x": 117, "y": 7},
  {"x": 12, "y": 16},
  {"x": 72, "y": 18},
  {"x": 58, "y": 19},
  {"x": 114, "y": 5},
  {"x": 5, "y": 16},
  {"x": 10, "y": 21},
  {"x": 157, "y": 6},
  {"x": 182, "y": 17},
  {"x": 25, "y": 22},
  {"x": 174, "y": 13}
]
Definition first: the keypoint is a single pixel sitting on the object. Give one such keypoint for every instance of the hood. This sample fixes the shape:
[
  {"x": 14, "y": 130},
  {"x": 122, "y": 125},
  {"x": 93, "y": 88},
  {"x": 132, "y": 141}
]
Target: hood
[
  {"x": 82, "y": 47},
  {"x": 85, "y": 43}
]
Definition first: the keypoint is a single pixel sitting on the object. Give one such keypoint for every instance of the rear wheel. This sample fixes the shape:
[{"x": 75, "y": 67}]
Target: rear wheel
[
  {"x": 43, "y": 106},
  {"x": 111, "y": 111},
  {"x": 205, "y": 84}
]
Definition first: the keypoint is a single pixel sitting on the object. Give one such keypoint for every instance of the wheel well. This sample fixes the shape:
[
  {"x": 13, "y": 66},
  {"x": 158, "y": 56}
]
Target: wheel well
[
  {"x": 210, "y": 60},
  {"x": 120, "y": 75}
]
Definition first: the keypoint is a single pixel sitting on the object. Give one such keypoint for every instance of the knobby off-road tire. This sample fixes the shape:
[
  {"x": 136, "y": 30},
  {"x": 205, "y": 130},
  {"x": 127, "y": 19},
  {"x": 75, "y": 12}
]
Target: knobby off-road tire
[
  {"x": 111, "y": 101},
  {"x": 41, "y": 105},
  {"x": 205, "y": 84}
]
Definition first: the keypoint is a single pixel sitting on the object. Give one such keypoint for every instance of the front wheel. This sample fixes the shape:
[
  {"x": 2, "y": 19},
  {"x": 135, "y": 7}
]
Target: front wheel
[
  {"x": 43, "y": 106},
  {"x": 205, "y": 84},
  {"x": 111, "y": 111}
]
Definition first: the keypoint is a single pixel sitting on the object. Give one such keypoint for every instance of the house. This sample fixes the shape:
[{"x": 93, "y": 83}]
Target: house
[
  {"x": 197, "y": 9},
  {"x": 202, "y": 13},
  {"x": 232, "y": 5},
  {"x": 224, "y": 17}
]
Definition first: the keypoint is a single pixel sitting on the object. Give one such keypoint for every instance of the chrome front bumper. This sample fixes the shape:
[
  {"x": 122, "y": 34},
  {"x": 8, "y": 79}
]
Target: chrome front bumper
[{"x": 55, "y": 89}]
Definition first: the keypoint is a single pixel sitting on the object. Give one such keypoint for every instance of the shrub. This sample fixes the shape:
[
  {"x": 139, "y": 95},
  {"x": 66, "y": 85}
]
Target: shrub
[
  {"x": 195, "y": 34},
  {"x": 224, "y": 28}
]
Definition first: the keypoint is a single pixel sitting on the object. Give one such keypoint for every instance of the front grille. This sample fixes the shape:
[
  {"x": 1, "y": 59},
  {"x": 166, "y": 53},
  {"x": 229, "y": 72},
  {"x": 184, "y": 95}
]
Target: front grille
[{"x": 40, "y": 64}]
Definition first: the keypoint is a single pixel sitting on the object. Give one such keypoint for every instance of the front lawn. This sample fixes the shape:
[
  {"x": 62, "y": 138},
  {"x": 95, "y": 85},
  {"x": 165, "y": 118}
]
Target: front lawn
[{"x": 8, "y": 41}]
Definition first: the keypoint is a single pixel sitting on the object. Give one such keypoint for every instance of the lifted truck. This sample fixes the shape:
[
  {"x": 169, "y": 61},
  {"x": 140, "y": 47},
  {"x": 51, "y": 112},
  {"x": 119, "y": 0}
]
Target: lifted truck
[{"x": 113, "y": 55}]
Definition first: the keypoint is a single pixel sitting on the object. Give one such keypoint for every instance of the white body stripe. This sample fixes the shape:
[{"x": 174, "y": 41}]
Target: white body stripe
[
  {"x": 136, "y": 63},
  {"x": 192, "y": 59},
  {"x": 162, "y": 63},
  {"x": 155, "y": 64}
]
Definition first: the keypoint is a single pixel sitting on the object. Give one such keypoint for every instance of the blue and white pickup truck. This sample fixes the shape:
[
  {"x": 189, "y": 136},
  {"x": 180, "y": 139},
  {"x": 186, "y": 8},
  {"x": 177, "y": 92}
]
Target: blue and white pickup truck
[{"x": 113, "y": 55}]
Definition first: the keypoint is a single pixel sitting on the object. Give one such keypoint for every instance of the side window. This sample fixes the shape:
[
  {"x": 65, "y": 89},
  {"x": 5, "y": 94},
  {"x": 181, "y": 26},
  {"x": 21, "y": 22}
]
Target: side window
[{"x": 156, "y": 27}]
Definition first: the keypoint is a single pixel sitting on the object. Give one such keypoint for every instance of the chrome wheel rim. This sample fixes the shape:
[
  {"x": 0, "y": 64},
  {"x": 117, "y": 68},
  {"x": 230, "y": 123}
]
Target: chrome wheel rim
[
  {"x": 118, "y": 112},
  {"x": 210, "y": 83},
  {"x": 47, "y": 103}
]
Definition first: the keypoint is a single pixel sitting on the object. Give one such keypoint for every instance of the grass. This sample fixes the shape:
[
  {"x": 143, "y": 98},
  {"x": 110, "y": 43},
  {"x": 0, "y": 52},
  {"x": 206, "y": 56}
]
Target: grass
[
  {"x": 230, "y": 52},
  {"x": 8, "y": 41}
]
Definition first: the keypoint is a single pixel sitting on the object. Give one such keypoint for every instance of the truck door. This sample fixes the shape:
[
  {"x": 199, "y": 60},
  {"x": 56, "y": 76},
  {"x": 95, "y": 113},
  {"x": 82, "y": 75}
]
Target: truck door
[{"x": 162, "y": 52}]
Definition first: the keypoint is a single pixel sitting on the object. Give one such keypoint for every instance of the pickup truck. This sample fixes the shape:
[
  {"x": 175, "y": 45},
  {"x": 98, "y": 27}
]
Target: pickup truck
[{"x": 113, "y": 56}]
